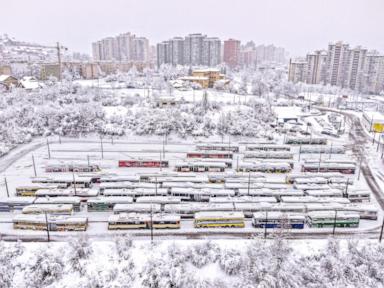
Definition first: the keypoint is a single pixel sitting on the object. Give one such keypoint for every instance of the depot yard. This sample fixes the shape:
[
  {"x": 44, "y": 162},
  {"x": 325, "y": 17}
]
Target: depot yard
[{"x": 301, "y": 180}]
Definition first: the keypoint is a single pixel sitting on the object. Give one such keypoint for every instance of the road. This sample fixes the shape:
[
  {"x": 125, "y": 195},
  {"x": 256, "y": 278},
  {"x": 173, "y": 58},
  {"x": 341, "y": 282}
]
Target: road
[{"x": 359, "y": 137}]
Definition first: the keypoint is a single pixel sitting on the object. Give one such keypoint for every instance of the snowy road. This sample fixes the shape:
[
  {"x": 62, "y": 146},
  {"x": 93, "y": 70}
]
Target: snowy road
[{"x": 360, "y": 137}]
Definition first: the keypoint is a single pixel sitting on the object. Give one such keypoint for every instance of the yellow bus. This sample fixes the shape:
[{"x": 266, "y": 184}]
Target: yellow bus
[
  {"x": 52, "y": 222},
  {"x": 215, "y": 219},
  {"x": 143, "y": 221}
]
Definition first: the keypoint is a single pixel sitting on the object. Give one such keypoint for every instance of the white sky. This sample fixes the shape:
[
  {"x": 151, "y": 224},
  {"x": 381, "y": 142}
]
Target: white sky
[{"x": 298, "y": 25}]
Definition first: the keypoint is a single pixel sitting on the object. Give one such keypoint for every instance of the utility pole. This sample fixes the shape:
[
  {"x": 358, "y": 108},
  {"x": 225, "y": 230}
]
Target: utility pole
[
  {"x": 361, "y": 160},
  {"x": 161, "y": 168},
  {"x": 88, "y": 161},
  {"x": 59, "y": 139},
  {"x": 6, "y": 186},
  {"x": 34, "y": 165},
  {"x": 49, "y": 150},
  {"x": 330, "y": 152},
  {"x": 156, "y": 186},
  {"x": 151, "y": 225},
  {"x": 59, "y": 59},
  {"x": 249, "y": 181},
  {"x": 163, "y": 146},
  {"x": 265, "y": 224},
  {"x": 299, "y": 152},
  {"x": 47, "y": 226},
  {"x": 382, "y": 150},
  {"x": 381, "y": 232},
  {"x": 334, "y": 222},
  {"x": 112, "y": 139},
  {"x": 102, "y": 148},
  {"x": 74, "y": 181},
  {"x": 346, "y": 188},
  {"x": 237, "y": 163},
  {"x": 318, "y": 168}
]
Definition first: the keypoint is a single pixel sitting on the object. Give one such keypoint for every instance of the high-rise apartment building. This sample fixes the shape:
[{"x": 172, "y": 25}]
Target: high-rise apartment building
[
  {"x": 353, "y": 68},
  {"x": 316, "y": 67},
  {"x": 163, "y": 53},
  {"x": 124, "y": 47},
  {"x": 373, "y": 78},
  {"x": 337, "y": 63},
  {"x": 176, "y": 46},
  {"x": 232, "y": 52},
  {"x": 194, "y": 50},
  {"x": 211, "y": 52},
  {"x": 140, "y": 49},
  {"x": 297, "y": 70}
]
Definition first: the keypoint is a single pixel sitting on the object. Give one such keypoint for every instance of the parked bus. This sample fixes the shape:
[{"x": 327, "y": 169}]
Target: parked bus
[
  {"x": 136, "y": 207},
  {"x": 359, "y": 196},
  {"x": 52, "y": 222},
  {"x": 74, "y": 201},
  {"x": 278, "y": 220},
  {"x": 219, "y": 219},
  {"x": 106, "y": 203},
  {"x": 30, "y": 190},
  {"x": 344, "y": 168},
  {"x": 200, "y": 167},
  {"x": 268, "y": 147},
  {"x": 210, "y": 154},
  {"x": 268, "y": 155},
  {"x": 320, "y": 219},
  {"x": 73, "y": 167},
  {"x": 8, "y": 204},
  {"x": 58, "y": 209},
  {"x": 305, "y": 140},
  {"x": 322, "y": 149},
  {"x": 143, "y": 163},
  {"x": 143, "y": 221},
  {"x": 218, "y": 147},
  {"x": 264, "y": 167}
]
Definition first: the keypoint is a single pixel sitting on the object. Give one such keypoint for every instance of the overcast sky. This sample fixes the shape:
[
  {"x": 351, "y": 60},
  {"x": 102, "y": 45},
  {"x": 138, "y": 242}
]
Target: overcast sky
[{"x": 298, "y": 25}]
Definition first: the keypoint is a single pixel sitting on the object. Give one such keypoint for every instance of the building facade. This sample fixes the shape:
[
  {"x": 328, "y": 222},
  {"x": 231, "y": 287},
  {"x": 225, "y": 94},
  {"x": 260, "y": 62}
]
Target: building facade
[
  {"x": 193, "y": 50},
  {"x": 124, "y": 47},
  {"x": 316, "y": 67},
  {"x": 297, "y": 70},
  {"x": 211, "y": 52},
  {"x": 353, "y": 68},
  {"x": 232, "y": 52}
]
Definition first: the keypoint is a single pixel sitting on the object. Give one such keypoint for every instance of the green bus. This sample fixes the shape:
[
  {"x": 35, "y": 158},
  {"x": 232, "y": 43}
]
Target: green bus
[{"x": 320, "y": 219}]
